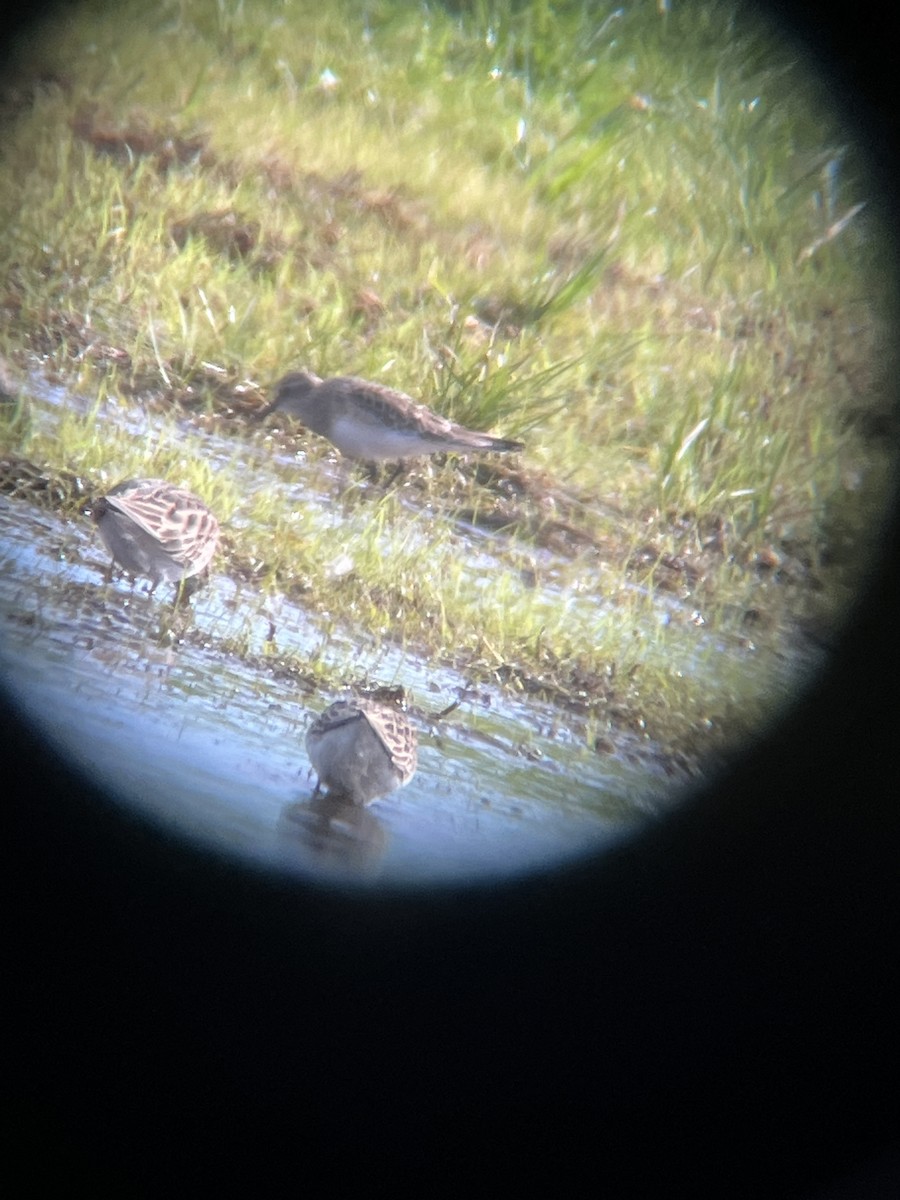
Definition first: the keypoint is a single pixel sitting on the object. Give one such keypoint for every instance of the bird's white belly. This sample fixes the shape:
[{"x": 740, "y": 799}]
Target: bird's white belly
[
  {"x": 356, "y": 439},
  {"x": 350, "y": 759}
]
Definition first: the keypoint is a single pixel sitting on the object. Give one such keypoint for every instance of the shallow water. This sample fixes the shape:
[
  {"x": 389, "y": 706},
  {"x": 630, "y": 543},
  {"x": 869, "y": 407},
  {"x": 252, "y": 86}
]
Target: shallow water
[
  {"x": 199, "y": 740},
  {"x": 210, "y": 742}
]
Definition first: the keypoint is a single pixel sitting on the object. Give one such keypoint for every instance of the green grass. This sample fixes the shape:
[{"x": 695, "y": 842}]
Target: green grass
[{"x": 615, "y": 234}]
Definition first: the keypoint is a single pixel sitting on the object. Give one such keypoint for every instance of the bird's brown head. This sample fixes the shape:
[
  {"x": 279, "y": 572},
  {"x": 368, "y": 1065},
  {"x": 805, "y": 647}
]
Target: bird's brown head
[
  {"x": 292, "y": 393},
  {"x": 95, "y": 507}
]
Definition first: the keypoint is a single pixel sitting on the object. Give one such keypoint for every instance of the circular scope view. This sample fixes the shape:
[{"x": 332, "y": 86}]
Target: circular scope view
[{"x": 431, "y": 436}]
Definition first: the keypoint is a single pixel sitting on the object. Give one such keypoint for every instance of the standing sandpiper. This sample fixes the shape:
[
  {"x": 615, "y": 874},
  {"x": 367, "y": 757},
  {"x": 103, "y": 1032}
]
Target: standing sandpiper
[
  {"x": 154, "y": 529},
  {"x": 374, "y": 423},
  {"x": 362, "y": 750}
]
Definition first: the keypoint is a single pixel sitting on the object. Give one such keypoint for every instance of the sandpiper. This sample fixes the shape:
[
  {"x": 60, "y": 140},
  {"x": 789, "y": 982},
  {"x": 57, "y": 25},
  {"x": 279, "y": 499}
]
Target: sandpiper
[
  {"x": 154, "y": 529},
  {"x": 374, "y": 423},
  {"x": 362, "y": 750}
]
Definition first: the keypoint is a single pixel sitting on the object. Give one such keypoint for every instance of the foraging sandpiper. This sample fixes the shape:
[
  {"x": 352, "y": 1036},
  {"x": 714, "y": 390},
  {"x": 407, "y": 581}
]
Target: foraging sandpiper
[
  {"x": 374, "y": 423},
  {"x": 362, "y": 750},
  {"x": 154, "y": 529}
]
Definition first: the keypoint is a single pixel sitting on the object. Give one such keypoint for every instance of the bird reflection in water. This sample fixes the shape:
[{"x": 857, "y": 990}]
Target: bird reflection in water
[{"x": 335, "y": 833}]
